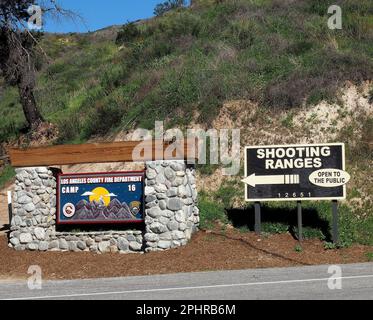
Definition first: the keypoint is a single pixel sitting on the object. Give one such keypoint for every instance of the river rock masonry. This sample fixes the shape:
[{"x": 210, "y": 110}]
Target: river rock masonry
[{"x": 171, "y": 214}]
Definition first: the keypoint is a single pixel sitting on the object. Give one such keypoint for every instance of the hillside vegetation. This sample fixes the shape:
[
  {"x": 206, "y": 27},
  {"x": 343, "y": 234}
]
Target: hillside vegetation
[
  {"x": 270, "y": 67},
  {"x": 278, "y": 53}
]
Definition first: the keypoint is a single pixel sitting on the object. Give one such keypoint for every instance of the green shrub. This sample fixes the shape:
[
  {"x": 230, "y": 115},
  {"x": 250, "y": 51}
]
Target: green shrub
[
  {"x": 69, "y": 127},
  {"x": 330, "y": 245},
  {"x": 227, "y": 192},
  {"x": 127, "y": 33},
  {"x": 274, "y": 228},
  {"x": 167, "y": 6},
  {"x": 106, "y": 116},
  {"x": 311, "y": 233},
  {"x": 12, "y": 120},
  {"x": 210, "y": 212},
  {"x": 6, "y": 175},
  {"x": 369, "y": 256}
]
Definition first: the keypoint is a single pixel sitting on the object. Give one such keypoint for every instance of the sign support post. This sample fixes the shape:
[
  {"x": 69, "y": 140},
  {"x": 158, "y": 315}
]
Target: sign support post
[
  {"x": 300, "y": 224},
  {"x": 257, "y": 218},
  {"x": 10, "y": 212},
  {"x": 335, "y": 221}
]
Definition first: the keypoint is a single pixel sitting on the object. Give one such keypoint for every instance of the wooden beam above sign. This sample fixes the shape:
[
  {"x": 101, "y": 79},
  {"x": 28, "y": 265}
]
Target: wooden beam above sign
[{"x": 124, "y": 151}]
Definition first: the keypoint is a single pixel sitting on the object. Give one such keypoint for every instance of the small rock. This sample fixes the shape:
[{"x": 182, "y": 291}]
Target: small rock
[
  {"x": 135, "y": 246},
  {"x": 149, "y": 190},
  {"x": 40, "y": 191},
  {"x": 29, "y": 207},
  {"x": 123, "y": 244},
  {"x": 182, "y": 226},
  {"x": 16, "y": 221},
  {"x": 25, "y": 238},
  {"x": 63, "y": 244},
  {"x": 150, "y": 198},
  {"x": 165, "y": 236},
  {"x": 160, "y": 178},
  {"x": 178, "y": 166},
  {"x": 81, "y": 245},
  {"x": 154, "y": 212},
  {"x": 161, "y": 196},
  {"x": 180, "y": 173},
  {"x": 180, "y": 216},
  {"x": 32, "y": 246},
  {"x": 157, "y": 227},
  {"x": 104, "y": 246},
  {"x": 36, "y": 199},
  {"x": 172, "y": 192},
  {"x": 53, "y": 244},
  {"x": 164, "y": 244},
  {"x": 151, "y": 173},
  {"x": 39, "y": 233},
  {"x": 173, "y": 225},
  {"x": 151, "y": 204},
  {"x": 160, "y": 188},
  {"x": 182, "y": 192},
  {"x": 174, "y": 204},
  {"x": 14, "y": 241},
  {"x": 167, "y": 213},
  {"x": 24, "y": 199},
  {"x": 43, "y": 246},
  {"x": 89, "y": 242},
  {"x": 151, "y": 237},
  {"x": 169, "y": 174},
  {"x": 178, "y": 181},
  {"x": 72, "y": 246},
  {"x": 162, "y": 204},
  {"x": 178, "y": 235},
  {"x": 37, "y": 182},
  {"x": 41, "y": 170}
]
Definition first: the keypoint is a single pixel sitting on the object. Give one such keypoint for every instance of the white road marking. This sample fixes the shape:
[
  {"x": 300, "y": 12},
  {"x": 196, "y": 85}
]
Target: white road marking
[{"x": 186, "y": 288}]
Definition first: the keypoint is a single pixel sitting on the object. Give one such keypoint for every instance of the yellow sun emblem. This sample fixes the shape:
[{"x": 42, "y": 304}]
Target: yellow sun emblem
[{"x": 100, "y": 195}]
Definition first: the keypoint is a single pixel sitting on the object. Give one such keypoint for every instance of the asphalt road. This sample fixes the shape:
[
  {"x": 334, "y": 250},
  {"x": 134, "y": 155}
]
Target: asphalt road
[{"x": 277, "y": 283}]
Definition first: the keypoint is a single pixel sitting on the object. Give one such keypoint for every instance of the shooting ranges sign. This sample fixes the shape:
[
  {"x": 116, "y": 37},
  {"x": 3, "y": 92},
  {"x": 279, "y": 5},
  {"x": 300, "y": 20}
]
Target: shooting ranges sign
[
  {"x": 295, "y": 172},
  {"x": 100, "y": 198}
]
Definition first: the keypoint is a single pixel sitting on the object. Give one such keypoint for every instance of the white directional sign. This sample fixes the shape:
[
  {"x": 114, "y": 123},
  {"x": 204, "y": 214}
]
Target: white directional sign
[{"x": 295, "y": 172}]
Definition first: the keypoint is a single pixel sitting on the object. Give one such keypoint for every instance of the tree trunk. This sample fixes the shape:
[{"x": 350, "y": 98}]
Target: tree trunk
[
  {"x": 18, "y": 67},
  {"x": 30, "y": 110}
]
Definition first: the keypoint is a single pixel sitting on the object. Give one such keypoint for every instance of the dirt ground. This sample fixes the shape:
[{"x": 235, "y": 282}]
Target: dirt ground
[{"x": 211, "y": 250}]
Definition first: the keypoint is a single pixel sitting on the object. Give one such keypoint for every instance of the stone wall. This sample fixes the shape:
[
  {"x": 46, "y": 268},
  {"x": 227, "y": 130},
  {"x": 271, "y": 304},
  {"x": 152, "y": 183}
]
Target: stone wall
[
  {"x": 34, "y": 209},
  {"x": 171, "y": 214}
]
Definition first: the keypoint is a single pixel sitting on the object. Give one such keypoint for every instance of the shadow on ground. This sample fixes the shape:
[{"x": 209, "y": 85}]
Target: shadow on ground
[{"x": 286, "y": 216}]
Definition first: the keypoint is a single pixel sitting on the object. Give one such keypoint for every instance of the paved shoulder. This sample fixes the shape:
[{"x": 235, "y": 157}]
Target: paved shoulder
[{"x": 354, "y": 281}]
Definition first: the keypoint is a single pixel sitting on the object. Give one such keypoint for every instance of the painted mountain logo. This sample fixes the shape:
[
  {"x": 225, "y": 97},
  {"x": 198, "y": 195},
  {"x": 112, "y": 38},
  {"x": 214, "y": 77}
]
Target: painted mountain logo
[{"x": 97, "y": 211}]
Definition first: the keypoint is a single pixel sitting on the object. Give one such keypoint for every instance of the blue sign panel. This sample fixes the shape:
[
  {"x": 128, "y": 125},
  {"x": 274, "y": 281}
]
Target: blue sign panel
[{"x": 100, "y": 198}]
